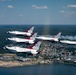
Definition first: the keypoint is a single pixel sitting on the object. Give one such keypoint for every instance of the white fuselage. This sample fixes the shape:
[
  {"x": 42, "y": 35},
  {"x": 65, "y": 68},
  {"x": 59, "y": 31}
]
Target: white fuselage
[
  {"x": 47, "y": 38},
  {"x": 33, "y": 49},
  {"x": 21, "y": 40},
  {"x": 68, "y": 42},
  {"x": 20, "y": 33},
  {"x": 19, "y": 49}
]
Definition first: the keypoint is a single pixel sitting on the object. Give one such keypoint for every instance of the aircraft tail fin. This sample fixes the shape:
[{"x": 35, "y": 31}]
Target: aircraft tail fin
[
  {"x": 58, "y": 35},
  {"x": 33, "y": 36},
  {"x": 37, "y": 45},
  {"x": 30, "y": 30},
  {"x": 56, "y": 38}
]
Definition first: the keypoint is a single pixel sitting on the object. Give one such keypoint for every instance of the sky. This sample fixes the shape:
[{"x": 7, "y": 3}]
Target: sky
[{"x": 38, "y": 12}]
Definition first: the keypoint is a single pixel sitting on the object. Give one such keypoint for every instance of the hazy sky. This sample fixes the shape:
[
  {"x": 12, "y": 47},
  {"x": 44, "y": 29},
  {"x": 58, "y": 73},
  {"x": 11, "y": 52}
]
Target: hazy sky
[{"x": 37, "y": 11}]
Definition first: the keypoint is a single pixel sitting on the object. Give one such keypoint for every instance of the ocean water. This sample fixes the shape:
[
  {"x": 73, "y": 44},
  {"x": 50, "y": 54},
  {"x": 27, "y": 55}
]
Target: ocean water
[
  {"x": 68, "y": 32},
  {"x": 52, "y": 69}
]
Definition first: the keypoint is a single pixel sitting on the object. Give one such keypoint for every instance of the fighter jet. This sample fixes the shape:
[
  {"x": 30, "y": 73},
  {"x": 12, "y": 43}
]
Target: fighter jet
[
  {"x": 68, "y": 41},
  {"x": 33, "y": 49},
  {"x": 50, "y": 38},
  {"x": 28, "y": 33},
  {"x": 29, "y": 40}
]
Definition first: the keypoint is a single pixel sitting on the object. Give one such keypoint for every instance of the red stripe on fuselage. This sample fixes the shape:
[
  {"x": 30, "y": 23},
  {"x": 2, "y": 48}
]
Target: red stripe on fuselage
[
  {"x": 27, "y": 38},
  {"x": 28, "y": 29},
  {"x": 32, "y": 46}
]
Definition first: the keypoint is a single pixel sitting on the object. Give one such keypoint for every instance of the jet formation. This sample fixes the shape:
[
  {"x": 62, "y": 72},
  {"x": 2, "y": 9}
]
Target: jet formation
[{"x": 31, "y": 40}]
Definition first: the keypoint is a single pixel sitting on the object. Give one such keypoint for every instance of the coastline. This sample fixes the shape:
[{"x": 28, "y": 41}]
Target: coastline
[{"x": 26, "y": 63}]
